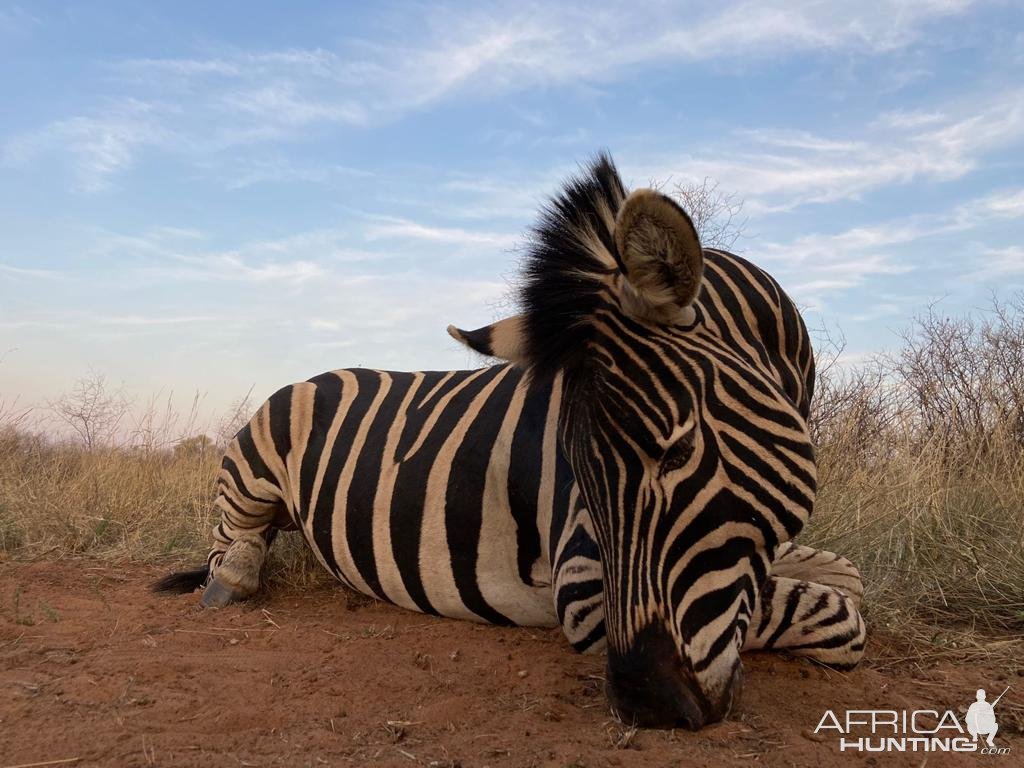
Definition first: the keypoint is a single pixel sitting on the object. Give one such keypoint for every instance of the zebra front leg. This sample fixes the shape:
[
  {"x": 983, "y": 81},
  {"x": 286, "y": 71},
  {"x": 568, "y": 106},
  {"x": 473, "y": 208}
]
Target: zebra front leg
[
  {"x": 807, "y": 619},
  {"x": 577, "y": 583},
  {"x": 795, "y": 561}
]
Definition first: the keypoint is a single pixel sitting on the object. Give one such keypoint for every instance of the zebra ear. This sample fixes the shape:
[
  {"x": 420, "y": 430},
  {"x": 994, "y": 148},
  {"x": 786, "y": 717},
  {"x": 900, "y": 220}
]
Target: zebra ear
[
  {"x": 661, "y": 258},
  {"x": 503, "y": 339}
]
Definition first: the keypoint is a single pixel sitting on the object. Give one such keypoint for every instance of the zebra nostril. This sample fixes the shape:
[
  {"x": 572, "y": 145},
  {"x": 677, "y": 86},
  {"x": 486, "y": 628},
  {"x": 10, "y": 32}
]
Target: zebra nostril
[{"x": 688, "y": 723}]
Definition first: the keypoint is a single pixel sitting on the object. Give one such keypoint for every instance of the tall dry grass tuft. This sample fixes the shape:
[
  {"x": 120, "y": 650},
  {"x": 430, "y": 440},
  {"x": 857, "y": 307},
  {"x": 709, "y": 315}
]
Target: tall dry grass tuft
[
  {"x": 921, "y": 476},
  {"x": 107, "y": 500},
  {"x": 144, "y": 493}
]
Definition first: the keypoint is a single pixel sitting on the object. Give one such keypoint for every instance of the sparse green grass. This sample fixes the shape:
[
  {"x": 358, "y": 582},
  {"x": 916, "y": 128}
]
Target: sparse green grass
[
  {"x": 48, "y": 611},
  {"x": 19, "y": 617}
]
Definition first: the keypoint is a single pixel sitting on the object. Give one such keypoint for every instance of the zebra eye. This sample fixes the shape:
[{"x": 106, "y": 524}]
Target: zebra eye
[{"x": 678, "y": 453}]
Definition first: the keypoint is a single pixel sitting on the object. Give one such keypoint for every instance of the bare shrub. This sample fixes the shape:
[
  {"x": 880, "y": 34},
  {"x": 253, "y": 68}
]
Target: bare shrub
[
  {"x": 717, "y": 215},
  {"x": 966, "y": 374},
  {"x": 921, "y": 474},
  {"x": 92, "y": 410},
  {"x": 197, "y": 445},
  {"x": 853, "y": 406}
]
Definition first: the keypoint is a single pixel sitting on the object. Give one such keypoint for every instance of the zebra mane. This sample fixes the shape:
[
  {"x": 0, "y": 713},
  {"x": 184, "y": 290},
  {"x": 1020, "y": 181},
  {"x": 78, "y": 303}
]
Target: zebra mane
[{"x": 569, "y": 263}]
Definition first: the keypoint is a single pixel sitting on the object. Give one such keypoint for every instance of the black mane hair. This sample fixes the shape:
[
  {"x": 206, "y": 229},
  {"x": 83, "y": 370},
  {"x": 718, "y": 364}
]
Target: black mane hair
[{"x": 568, "y": 265}]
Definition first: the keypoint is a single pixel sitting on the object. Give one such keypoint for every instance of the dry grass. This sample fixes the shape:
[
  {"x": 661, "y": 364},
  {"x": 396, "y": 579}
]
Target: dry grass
[
  {"x": 105, "y": 501},
  {"x": 921, "y": 483},
  {"x": 118, "y": 501},
  {"x": 921, "y": 480}
]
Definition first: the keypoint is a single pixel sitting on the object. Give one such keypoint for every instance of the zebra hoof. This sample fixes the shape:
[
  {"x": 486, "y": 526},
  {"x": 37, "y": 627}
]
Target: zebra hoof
[{"x": 217, "y": 595}]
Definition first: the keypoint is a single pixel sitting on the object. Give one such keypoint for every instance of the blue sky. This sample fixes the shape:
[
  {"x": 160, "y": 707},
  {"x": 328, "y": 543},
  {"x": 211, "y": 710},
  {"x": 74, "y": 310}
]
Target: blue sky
[{"x": 217, "y": 196}]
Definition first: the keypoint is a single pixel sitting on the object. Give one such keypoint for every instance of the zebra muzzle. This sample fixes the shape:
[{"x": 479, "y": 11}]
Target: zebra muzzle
[{"x": 649, "y": 686}]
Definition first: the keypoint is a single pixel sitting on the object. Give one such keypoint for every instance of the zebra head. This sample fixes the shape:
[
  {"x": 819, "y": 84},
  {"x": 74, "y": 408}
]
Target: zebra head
[{"x": 693, "y": 462}]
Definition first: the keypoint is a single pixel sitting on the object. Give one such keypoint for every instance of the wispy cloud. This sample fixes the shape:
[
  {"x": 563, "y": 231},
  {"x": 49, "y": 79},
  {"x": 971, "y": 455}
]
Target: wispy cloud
[
  {"x": 31, "y": 272},
  {"x": 234, "y": 267},
  {"x": 168, "y": 253},
  {"x": 322, "y": 245},
  {"x": 201, "y": 105},
  {"x": 250, "y": 170},
  {"x": 515, "y": 195},
  {"x": 15, "y": 20},
  {"x": 776, "y": 171},
  {"x": 998, "y": 264},
  {"x": 84, "y": 320},
  {"x": 411, "y": 230},
  {"x": 284, "y": 105},
  {"x": 318, "y": 324},
  {"x": 1002, "y": 205},
  {"x": 818, "y": 265},
  {"x": 99, "y": 146},
  {"x": 909, "y": 118},
  {"x": 152, "y": 320}
]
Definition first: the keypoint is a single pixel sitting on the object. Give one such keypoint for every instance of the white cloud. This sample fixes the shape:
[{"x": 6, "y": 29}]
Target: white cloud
[
  {"x": 152, "y": 320},
  {"x": 31, "y": 272},
  {"x": 1008, "y": 205},
  {"x": 1006, "y": 260},
  {"x": 234, "y": 267},
  {"x": 100, "y": 147},
  {"x": 284, "y": 104},
  {"x": 318, "y": 245},
  {"x": 775, "y": 171},
  {"x": 912, "y": 118},
  {"x": 79, "y": 321},
  {"x": 317, "y": 324},
  {"x": 332, "y": 344},
  {"x": 998, "y": 264},
  {"x": 237, "y": 98},
  {"x": 172, "y": 253},
  {"x": 817, "y": 265},
  {"x": 515, "y": 195},
  {"x": 411, "y": 230},
  {"x": 535, "y": 44},
  {"x": 243, "y": 172}
]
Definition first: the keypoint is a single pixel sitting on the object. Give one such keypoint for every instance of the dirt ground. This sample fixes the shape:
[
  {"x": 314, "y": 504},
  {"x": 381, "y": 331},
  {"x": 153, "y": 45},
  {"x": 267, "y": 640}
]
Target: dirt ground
[{"x": 96, "y": 671}]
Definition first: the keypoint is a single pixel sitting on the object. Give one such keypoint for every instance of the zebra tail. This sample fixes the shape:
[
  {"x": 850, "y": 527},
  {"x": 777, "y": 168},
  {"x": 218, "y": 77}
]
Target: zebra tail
[{"x": 182, "y": 582}]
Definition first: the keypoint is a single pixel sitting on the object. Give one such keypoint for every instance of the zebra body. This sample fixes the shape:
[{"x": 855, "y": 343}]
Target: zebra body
[
  {"x": 444, "y": 492},
  {"x": 436, "y": 491},
  {"x": 636, "y": 474}
]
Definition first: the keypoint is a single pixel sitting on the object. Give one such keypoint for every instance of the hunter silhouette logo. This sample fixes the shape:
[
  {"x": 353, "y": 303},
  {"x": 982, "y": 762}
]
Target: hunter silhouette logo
[
  {"x": 981, "y": 717},
  {"x": 918, "y": 730}
]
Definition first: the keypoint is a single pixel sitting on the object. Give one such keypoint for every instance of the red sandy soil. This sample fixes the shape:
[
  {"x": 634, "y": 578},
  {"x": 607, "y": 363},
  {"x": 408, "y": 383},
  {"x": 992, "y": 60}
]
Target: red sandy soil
[{"x": 95, "y": 667}]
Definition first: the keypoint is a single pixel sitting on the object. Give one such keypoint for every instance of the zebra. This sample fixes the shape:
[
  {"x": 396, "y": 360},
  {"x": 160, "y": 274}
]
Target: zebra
[{"x": 633, "y": 469}]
